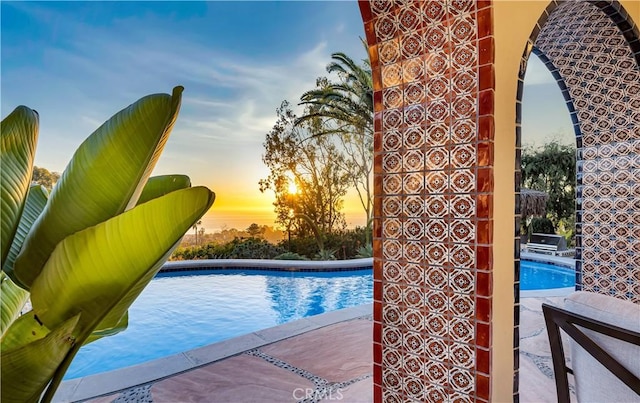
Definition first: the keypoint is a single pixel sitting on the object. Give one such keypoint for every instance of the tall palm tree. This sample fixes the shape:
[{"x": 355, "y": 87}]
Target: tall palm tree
[
  {"x": 348, "y": 102},
  {"x": 195, "y": 229},
  {"x": 345, "y": 108}
]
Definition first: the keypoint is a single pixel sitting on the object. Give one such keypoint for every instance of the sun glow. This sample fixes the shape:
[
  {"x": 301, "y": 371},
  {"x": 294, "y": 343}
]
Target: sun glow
[{"x": 292, "y": 189}]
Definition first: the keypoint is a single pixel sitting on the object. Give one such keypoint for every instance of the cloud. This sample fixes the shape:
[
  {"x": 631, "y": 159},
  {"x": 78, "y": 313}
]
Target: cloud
[
  {"x": 91, "y": 70},
  {"x": 229, "y": 95}
]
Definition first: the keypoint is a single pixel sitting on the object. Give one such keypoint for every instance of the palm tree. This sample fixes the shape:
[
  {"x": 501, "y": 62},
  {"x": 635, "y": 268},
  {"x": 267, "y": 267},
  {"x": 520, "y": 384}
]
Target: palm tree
[
  {"x": 345, "y": 108},
  {"x": 195, "y": 229},
  {"x": 348, "y": 102}
]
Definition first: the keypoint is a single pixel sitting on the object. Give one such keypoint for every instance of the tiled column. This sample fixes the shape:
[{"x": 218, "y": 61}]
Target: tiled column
[{"x": 433, "y": 78}]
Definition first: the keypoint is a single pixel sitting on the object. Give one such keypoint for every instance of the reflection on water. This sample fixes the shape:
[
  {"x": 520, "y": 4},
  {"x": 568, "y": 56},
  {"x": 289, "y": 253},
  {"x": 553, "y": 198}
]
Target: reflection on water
[
  {"x": 186, "y": 310},
  {"x": 296, "y": 295}
]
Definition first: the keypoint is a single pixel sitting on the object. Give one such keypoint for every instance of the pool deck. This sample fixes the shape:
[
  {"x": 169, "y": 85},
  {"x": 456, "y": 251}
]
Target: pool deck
[{"x": 317, "y": 359}]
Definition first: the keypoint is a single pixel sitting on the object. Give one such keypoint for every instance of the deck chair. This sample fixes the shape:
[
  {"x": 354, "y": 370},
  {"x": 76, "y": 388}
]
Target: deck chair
[{"x": 604, "y": 345}]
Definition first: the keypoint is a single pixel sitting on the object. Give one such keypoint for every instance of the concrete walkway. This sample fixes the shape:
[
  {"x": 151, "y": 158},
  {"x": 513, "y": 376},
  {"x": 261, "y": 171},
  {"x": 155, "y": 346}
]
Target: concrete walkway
[{"x": 326, "y": 363}]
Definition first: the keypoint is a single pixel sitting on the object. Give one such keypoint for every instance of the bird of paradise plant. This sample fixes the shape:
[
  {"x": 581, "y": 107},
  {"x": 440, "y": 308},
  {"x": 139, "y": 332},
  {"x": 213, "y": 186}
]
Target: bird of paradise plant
[{"x": 85, "y": 252}]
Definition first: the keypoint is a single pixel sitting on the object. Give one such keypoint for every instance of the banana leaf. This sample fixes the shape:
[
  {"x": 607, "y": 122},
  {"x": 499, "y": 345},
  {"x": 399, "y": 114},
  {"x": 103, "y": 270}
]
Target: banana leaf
[
  {"x": 102, "y": 281},
  {"x": 161, "y": 185},
  {"x": 13, "y": 299},
  {"x": 24, "y": 330},
  {"x": 105, "y": 330},
  {"x": 156, "y": 186},
  {"x": 27, "y": 369},
  {"x": 104, "y": 178},
  {"x": 35, "y": 203},
  {"x": 18, "y": 138}
]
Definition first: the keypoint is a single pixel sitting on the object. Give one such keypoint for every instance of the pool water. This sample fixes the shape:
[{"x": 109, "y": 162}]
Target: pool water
[
  {"x": 541, "y": 276},
  {"x": 185, "y": 310}
]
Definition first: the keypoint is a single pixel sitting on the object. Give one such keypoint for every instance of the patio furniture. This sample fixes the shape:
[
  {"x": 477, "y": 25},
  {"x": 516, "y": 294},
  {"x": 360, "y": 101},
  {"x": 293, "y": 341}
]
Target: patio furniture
[{"x": 604, "y": 345}]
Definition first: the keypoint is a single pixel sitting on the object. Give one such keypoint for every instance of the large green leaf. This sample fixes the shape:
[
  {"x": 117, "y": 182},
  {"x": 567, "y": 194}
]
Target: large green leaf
[
  {"x": 104, "y": 330},
  {"x": 24, "y": 330},
  {"x": 18, "y": 138},
  {"x": 36, "y": 201},
  {"x": 13, "y": 299},
  {"x": 161, "y": 185},
  {"x": 26, "y": 370},
  {"x": 104, "y": 178},
  {"x": 99, "y": 271},
  {"x": 156, "y": 186}
]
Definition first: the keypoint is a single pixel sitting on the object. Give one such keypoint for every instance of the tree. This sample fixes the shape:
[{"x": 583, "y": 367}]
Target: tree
[
  {"x": 551, "y": 168},
  {"x": 345, "y": 108},
  {"x": 256, "y": 231},
  {"x": 43, "y": 177},
  {"x": 195, "y": 229},
  {"x": 314, "y": 165}
]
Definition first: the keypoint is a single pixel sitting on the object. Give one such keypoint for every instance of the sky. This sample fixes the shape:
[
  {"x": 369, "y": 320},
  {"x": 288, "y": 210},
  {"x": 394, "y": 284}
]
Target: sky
[{"x": 77, "y": 63}]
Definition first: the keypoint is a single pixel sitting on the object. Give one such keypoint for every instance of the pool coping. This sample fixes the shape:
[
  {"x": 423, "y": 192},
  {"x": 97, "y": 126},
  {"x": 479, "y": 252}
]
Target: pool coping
[
  {"x": 110, "y": 382},
  {"x": 565, "y": 262},
  {"x": 266, "y": 264}
]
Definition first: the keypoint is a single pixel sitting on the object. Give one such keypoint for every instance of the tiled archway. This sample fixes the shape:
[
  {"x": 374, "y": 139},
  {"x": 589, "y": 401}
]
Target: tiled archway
[
  {"x": 593, "y": 51},
  {"x": 434, "y": 89}
]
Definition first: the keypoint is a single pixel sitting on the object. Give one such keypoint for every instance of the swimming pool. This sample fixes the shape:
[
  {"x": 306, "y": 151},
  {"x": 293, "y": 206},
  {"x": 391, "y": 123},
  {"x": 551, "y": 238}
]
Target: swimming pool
[
  {"x": 542, "y": 276},
  {"x": 179, "y": 311}
]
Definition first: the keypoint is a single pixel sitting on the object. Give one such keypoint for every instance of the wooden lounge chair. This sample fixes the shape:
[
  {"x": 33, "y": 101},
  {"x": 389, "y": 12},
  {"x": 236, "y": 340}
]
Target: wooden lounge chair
[{"x": 604, "y": 344}]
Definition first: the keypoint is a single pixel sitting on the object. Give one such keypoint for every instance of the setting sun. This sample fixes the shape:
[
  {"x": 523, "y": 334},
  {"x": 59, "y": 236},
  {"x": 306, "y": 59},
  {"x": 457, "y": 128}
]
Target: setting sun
[{"x": 292, "y": 189}]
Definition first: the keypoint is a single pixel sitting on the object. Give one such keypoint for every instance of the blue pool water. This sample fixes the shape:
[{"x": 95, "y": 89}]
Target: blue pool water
[
  {"x": 185, "y": 310},
  {"x": 541, "y": 276}
]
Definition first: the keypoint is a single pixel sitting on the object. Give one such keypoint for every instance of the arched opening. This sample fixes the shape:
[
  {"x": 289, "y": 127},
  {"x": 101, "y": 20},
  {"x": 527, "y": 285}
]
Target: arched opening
[
  {"x": 443, "y": 82},
  {"x": 591, "y": 49}
]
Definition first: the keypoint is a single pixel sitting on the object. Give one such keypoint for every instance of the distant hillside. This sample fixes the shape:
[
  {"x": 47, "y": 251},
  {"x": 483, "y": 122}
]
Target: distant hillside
[{"x": 266, "y": 232}]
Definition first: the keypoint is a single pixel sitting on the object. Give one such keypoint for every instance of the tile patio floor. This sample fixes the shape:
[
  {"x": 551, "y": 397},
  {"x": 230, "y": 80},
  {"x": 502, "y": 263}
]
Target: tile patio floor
[{"x": 332, "y": 363}]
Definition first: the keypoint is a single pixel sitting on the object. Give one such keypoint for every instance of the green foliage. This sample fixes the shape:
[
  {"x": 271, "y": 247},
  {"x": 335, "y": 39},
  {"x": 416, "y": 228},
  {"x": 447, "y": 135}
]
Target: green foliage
[
  {"x": 290, "y": 256},
  {"x": 552, "y": 169},
  {"x": 542, "y": 225},
  {"x": 365, "y": 251},
  {"x": 239, "y": 248},
  {"x": 208, "y": 251},
  {"x": 43, "y": 177},
  {"x": 316, "y": 167},
  {"x": 88, "y": 251},
  {"x": 256, "y": 231},
  {"x": 344, "y": 106},
  {"x": 345, "y": 244},
  {"x": 254, "y": 248},
  {"x": 325, "y": 254}
]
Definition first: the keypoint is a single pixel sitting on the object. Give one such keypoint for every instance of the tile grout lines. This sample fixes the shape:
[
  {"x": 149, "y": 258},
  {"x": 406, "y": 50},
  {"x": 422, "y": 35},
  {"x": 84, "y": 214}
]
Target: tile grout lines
[{"x": 324, "y": 388}]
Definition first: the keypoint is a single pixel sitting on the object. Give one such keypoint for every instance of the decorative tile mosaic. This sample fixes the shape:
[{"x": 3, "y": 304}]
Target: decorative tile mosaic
[
  {"x": 434, "y": 175},
  {"x": 593, "y": 60}
]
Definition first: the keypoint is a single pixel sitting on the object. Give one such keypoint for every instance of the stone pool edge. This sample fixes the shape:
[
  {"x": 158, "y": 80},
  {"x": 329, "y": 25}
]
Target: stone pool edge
[
  {"x": 107, "y": 383},
  {"x": 269, "y": 265}
]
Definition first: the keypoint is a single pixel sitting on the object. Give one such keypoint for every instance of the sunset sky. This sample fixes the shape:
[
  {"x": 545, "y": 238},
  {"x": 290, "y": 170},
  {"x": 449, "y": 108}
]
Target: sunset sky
[{"x": 78, "y": 63}]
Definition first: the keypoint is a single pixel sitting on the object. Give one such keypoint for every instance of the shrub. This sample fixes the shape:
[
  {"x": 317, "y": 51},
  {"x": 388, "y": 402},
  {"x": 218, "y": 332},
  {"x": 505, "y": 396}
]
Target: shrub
[
  {"x": 542, "y": 225},
  {"x": 290, "y": 256},
  {"x": 254, "y": 248},
  {"x": 365, "y": 251},
  {"x": 326, "y": 254}
]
